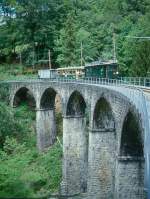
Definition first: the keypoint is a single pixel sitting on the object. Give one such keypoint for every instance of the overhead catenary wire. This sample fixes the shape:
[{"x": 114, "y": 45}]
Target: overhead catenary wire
[{"x": 132, "y": 37}]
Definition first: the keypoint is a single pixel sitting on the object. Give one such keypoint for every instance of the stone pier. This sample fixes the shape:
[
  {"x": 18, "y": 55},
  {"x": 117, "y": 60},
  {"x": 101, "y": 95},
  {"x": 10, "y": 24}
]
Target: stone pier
[
  {"x": 130, "y": 178},
  {"x": 101, "y": 164},
  {"x": 46, "y": 128},
  {"x": 75, "y": 155}
]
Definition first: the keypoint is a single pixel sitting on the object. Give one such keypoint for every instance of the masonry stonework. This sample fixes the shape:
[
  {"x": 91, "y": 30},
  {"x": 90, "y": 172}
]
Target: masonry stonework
[
  {"x": 130, "y": 178},
  {"x": 45, "y": 128},
  {"x": 92, "y": 162},
  {"x": 101, "y": 165},
  {"x": 75, "y": 155}
]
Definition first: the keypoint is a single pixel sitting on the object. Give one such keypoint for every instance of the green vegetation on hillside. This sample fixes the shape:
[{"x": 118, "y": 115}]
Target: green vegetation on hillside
[
  {"x": 28, "y": 29},
  {"x": 15, "y": 71},
  {"x": 24, "y": 172}
]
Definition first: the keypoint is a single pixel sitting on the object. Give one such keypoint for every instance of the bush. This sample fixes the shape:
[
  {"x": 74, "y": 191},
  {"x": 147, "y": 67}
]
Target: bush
[
  {"x": 4, "y": 92},
  {"x": 13, "y": 160},
  {"x": 9, "y": 126},
  {"x": 25, "y": 173}
]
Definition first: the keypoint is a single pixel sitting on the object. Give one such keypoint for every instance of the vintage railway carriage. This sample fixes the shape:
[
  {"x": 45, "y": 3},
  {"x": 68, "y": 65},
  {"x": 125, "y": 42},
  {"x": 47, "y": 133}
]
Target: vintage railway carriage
[
  {"x": 101, "y": 69},
  {"x": 75, "y": 72},
  {"x": 66, "y": 72},
  {"x": 97, "y": 69}
]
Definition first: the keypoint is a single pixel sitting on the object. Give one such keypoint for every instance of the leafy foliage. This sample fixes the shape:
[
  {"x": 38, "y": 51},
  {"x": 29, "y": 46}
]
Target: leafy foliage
[
  {"x": 9, "y": 126},
  {"x": 36, "y": 26},
  {"x": 28, "y": 26},
  {"x": 4, "y": 92},
  {"x": 97, "y": 20},
  {"x": 24, "y": 172},
  {"x": 67, "y": 42}
]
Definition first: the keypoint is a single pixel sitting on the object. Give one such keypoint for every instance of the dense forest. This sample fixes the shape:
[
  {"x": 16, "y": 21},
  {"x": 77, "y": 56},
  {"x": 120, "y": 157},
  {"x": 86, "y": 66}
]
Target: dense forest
[{"x": 29, "y": 28}]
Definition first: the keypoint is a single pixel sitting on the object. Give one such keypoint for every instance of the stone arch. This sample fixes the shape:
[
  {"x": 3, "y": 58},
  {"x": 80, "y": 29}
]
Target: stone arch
[
  {"x": 131, "y": 138},
  {"x": 103, "y": 116},
  {"x": 76, "y": 105},
  {"x": 24, "y": 94},
  {"x": 48, "y": 99}
]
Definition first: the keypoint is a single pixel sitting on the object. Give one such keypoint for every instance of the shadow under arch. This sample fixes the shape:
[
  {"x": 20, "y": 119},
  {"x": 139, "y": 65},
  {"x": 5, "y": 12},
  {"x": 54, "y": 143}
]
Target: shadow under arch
[
  {"x": 76, "y": 105},
  {"x": 22, "y": 95},
  {"x": 48, "y": 99},
  {"x": 131, "y": 138},
  {"x": 103, "y": 116}
]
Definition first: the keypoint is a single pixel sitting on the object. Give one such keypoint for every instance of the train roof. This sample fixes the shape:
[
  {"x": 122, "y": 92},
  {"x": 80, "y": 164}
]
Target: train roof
[
  {"x": 101, "y": 63},
  {"x": 71, "y": 68}
]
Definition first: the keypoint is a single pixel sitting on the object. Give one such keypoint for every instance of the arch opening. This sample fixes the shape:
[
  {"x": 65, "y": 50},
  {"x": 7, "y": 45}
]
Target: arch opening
[
  {"x": 103, "y": 116},
  {"x": 24, "y": 95},
  {"x": 51, "y": 100},
  {"x": 131, "y": 140},
  {"x": 76, "y": 105},
  {"x": 48, "y": 99}
]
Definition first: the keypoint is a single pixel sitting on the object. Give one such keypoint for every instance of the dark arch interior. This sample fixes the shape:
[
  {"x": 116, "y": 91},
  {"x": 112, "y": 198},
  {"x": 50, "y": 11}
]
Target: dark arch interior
[
  {"x": 76, "y": 105},
  {"x": 103, "y": 117},
  {"x": 24, "y": 95},
  {"x": 48, "y": 99},
  {"x": 131, "y": 141}
]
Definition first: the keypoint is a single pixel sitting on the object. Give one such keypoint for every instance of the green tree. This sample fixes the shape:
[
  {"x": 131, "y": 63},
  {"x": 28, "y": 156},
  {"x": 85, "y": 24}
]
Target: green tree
[
  {"x": 62, "y": 25},
  {"x": 66, "y": 44},
  {"x": 33, "y": 23}
]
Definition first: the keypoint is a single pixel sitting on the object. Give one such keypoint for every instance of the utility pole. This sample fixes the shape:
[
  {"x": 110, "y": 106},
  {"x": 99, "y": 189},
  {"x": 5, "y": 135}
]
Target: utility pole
[
  {"x": 81, "y": 54},
  {"x": 20, "y": 57},
  {"x": 33, "y": 61},
  {"x": 114, "y": 47},
  {"x": 49, "y": 59}
]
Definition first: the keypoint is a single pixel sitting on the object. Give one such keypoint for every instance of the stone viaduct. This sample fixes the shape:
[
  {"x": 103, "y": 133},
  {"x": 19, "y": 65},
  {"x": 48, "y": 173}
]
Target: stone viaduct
[{"x": 105, "y": 134}]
